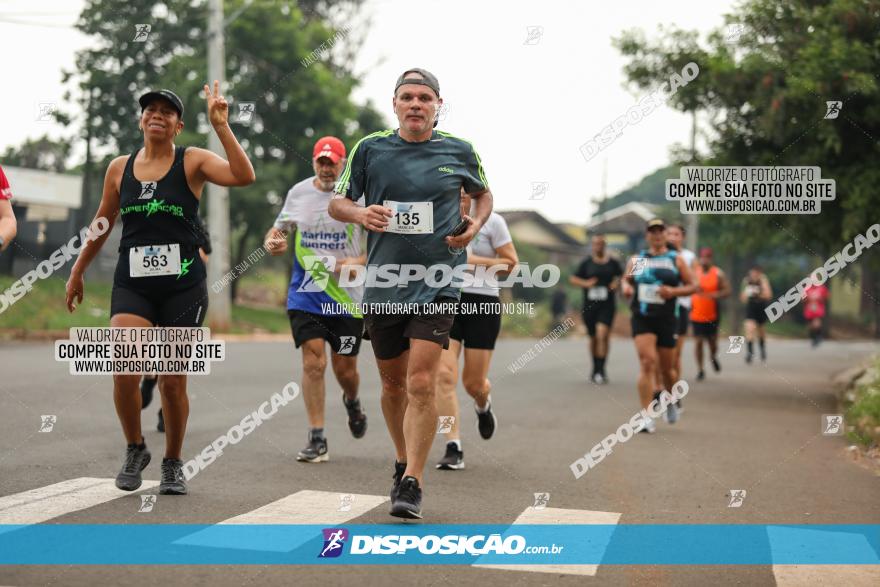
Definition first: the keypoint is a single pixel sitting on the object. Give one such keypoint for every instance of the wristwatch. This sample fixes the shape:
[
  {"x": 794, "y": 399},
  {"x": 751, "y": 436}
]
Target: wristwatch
[{"x": 2, "y": 242}]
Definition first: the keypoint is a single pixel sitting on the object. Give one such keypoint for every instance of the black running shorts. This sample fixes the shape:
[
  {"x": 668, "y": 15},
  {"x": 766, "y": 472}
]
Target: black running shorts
[
  {"x": 684, "y": 320},
  {"x": 390, "y": 333},
  {"x": 663, "y": 326},
  {"x": 705, "y": 329},
  {"x": 478, "y": 321},
  {"x": 342, "y": 332},
  {"x": 598, "y": 312},
  {"x": 184, "y": 308},
  {"x": 756, "y": 312}
]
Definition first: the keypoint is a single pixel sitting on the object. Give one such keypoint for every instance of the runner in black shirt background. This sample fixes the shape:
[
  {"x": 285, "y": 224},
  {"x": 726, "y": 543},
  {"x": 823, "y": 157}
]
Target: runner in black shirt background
[{"x": 598, "y": 275}]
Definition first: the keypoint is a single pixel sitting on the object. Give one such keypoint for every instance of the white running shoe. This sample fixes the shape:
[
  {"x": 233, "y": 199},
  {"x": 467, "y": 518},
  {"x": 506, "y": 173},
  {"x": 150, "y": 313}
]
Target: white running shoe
[{"x": 648, "y": 426}]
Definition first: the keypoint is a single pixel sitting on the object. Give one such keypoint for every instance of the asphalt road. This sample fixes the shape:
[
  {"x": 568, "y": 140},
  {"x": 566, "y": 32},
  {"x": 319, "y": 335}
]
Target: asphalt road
[{"x": 755, "y": 427}]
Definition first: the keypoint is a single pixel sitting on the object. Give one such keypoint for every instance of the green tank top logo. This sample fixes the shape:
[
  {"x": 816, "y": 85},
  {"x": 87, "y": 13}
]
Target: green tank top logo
[
  {"x": 152, "y": 207},
  {"x": 184, "y": 267}
]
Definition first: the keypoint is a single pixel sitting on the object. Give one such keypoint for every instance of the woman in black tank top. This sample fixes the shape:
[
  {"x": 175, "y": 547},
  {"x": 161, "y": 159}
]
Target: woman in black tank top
[
  {"x": 755, "y": 294},
  {"x": 160, "y": 277}
]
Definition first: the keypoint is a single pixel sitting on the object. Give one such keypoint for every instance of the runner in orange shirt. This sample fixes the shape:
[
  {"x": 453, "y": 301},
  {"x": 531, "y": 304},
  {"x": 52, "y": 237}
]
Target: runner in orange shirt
[{"x": 705, "y": 314}]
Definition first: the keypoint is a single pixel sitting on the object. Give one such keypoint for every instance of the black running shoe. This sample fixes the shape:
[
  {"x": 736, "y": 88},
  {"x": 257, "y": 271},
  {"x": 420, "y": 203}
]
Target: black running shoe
[
  {"x": 147, "y": 387},
  {"x": 763, "y": 355},
  {"x": 160, "y": 425},
  {"x": 453, "y": 460},
  {"x": 399, "y": 470},
  {"x": 749, "y": 357},
  {"x": 716, "y": 365},
  {"x": 173, "y": 481},
  {"x": 357, "y": 419},
  {"x": 314, "y": 452},
  {"x": 136, "y": 460},
  {"x": 407, "y": 501},
  {"x": 701, "y": 375},
  {"x": 486, "y": 422}
]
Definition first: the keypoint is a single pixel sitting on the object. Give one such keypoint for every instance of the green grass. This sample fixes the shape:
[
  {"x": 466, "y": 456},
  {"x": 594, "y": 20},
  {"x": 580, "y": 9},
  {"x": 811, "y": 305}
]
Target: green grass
[
  {"x": 247, "y": 320},
  {"x": 43, "y": 309},
  {"x": 863, "y": 415}
]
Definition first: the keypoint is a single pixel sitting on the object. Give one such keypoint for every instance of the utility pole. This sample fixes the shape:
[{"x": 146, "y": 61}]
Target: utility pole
[
  {"x": 692, "y": 221},
  {"x": 219, "y": 303}
]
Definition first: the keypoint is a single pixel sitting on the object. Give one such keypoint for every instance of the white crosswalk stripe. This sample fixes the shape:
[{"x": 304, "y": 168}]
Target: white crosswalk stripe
[
  {"x": 44, "y": 503},
  {"x": 303, "y": 507},
  {"x": 558, "y": 516},
  {"x": 782, "y": 539}
]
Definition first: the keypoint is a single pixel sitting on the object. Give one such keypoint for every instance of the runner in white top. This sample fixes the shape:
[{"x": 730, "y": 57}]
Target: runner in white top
[
  {"x": 675, "y": 240},
  {"x": 476, "y": 327},
  {"x": 318, "y": 307}
]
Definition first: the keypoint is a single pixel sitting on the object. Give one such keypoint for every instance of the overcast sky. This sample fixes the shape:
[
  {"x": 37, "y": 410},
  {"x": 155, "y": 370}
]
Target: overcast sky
[{"x": 527, "y": 100}]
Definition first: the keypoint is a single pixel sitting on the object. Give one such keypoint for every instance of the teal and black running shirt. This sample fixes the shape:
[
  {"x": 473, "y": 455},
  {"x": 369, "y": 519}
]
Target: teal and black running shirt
[
  {"x": 649, "y": 273},
  {"x": 383, "y": 167}
]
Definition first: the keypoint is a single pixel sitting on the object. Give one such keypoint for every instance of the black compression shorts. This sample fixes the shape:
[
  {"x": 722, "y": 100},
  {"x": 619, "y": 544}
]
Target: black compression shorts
[
  {"x": 184, "y": 308},
  {"x": 756, "y": 312},
  {"x": 598, "y": 312},
  {"x": 684, "y": 320},
  {"x": 663, "y": 326},
  {"x": 477, "y": 329}
]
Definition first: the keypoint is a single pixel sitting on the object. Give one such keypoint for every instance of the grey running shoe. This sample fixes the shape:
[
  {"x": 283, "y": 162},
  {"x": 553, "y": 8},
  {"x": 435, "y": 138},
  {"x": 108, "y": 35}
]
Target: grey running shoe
[
  {"x": 357, "y": 419},
  {"x": 407, "y": 501},
  {"x": 136, "y": 460},
  {"x": 314, "y": 452},
  {"x": 173, "y": 481},
  {"x": 453, "y": 460},
  {"x": 486, "y": 422},
  {"x": 399, "y": 470}
]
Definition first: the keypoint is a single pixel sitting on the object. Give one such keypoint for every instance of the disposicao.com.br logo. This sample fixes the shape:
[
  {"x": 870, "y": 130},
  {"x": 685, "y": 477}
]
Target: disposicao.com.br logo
[{"x": 431, "y": 544}]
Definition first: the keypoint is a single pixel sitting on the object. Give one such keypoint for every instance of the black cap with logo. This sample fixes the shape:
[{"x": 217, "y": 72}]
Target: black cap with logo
[{"x": 145, "y": 100}]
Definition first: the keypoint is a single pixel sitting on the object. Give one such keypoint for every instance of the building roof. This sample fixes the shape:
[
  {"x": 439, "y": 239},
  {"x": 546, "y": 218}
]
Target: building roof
[
  {"x": 557, "y": 233},
  {"x": 628, "y": 218},
  {"x": 34, "y": 186}
]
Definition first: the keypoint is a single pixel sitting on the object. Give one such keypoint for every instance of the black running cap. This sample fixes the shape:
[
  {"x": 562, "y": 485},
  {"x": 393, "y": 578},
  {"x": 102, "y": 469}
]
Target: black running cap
[
  {"x": 145, "y": 100},
  {"x": 428, "y": 79}
]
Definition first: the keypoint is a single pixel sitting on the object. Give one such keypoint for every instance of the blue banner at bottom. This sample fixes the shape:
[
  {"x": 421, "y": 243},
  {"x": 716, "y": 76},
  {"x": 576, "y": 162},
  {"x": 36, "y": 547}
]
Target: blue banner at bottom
[{"x": 464, "y": 544}]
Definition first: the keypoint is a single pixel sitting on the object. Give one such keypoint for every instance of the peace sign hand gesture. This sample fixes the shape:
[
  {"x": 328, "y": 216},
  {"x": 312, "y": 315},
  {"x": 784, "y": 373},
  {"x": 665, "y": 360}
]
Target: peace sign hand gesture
[{"x": 218, "y": 107}]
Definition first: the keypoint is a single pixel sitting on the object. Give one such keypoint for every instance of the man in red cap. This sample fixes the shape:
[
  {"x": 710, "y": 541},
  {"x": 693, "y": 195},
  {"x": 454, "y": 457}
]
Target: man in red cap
[
  {"x": 712, "y": 286},
  {"x": 320, "y": 310}
]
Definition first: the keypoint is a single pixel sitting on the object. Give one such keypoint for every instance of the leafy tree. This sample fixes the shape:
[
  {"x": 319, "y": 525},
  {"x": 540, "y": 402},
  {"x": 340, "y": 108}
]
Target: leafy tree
[
  {"x": 266, "y": 42},
  {"x": 42, "y": 153},
  {"x": 764, "y": 92}
]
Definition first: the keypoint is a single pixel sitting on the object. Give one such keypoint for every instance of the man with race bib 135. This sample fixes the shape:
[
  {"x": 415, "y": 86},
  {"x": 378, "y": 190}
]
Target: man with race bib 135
[{"x": 411, "y": 179}]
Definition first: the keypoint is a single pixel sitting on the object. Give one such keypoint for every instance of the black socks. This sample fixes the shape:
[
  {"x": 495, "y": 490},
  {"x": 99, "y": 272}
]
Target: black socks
[{"x": 598, "y": 365}]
